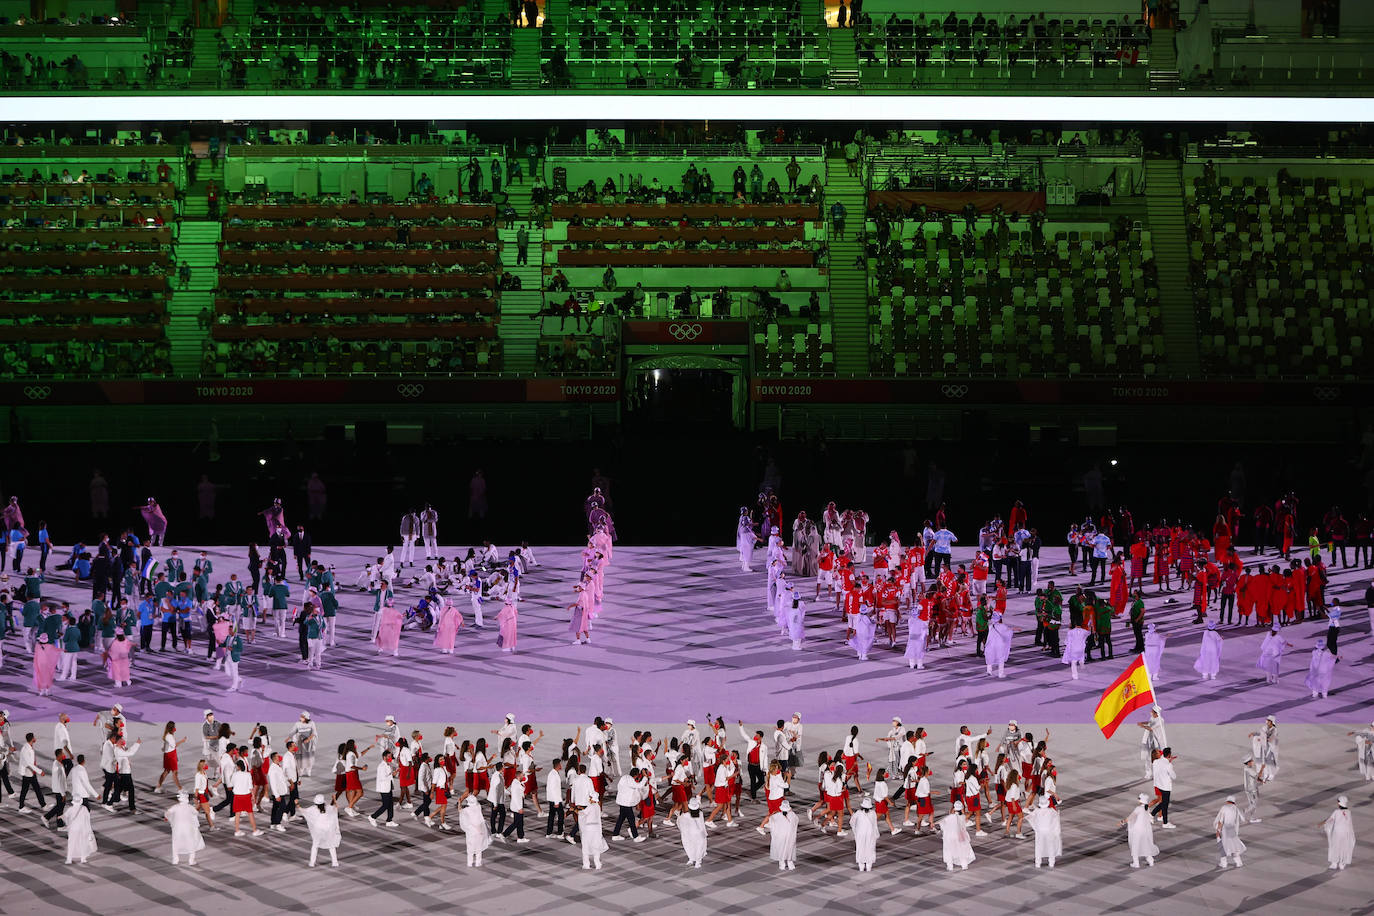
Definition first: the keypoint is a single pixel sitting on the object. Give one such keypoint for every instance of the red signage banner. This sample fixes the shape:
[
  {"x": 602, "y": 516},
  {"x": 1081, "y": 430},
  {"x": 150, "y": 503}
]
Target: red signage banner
[
  {"x": 420, "y": 390},
  {"x": 686, "y": 331},
  {"x": 953, "y": 392}
]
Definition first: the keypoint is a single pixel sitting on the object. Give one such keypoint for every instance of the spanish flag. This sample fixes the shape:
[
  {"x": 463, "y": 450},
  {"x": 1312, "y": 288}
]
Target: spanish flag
[{"x": 1124, "y": 696}]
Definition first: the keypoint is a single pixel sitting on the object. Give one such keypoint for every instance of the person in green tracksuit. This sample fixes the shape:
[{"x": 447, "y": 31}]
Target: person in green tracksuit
[
  {"x": 980, "y": 625},
  {"x": 1054, "y": 618},
  {"x": 1138, "y": 621},
  {"x": 233, "y": 654},
  {"x": 280, "y": 593},
  {"x": 33, "y": 619},
  {"x": 1104, "y": 631},
  {"x": 71, "y": 650}
]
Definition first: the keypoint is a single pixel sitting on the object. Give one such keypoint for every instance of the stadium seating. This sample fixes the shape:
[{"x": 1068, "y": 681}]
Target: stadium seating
[
  {"x": 329, "y": 287},
  {"x": 85, "y": 261},
  {"x": 685, "y": 44},
  {"x": 899, "y": 49},
  {"x": 1278, "y": 269},
  {"x": 299, "y": 45},
  {"x": 995, "y": 299}
]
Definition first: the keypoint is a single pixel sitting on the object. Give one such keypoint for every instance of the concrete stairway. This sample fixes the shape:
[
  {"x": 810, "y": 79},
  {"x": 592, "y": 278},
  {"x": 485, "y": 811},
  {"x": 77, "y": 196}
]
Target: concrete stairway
[
  {"x": 848, "y": 283},
  {"x": 844, "y": 61},
  {"x": 524, "y": 59},
  {"x": 1163, "y": 60},
  {"x": 1164, "y": 204},
  {"x": 197, "y": 245},
  {"x": 520, "y": 321}
]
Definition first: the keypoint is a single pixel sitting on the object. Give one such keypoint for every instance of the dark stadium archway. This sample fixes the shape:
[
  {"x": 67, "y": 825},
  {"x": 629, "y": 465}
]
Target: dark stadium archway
[{"x": 688, "y": 391}]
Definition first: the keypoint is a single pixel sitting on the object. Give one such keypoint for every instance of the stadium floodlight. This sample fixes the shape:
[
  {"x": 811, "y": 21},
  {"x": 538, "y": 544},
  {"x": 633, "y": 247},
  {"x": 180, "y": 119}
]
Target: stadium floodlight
[{"x": 757, "y": 107}]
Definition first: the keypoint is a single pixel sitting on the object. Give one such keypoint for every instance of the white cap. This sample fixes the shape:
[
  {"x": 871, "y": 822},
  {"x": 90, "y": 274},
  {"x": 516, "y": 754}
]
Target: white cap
[
  {"x": 304, "y": 714},
  {"x": 609, "y": 721},
  {"x": 692, "y": 722},
  {"x": 1271, "y": 719},
  {"x": 183, "y": 797},
  {"x": 867, "y": 804},
  {"x": 1155, "y": 708},
  {"x": 1011, "y": 722},
  {"x": 470, "y": 803},
  {"x": 510, "y": 717},
  {"x": 1143, "y": 797},
  {"x": 796, "y": 715},
  {"x": 785, "y": 806},
  {"x": 118, "y": 707},
  {"x": 391, "y": 718},
  {"x": 1230, "y": 799},
  {"x": 897, "y": 719},
  {"x": 319, "y": 799},
  {"x": 1343, "y": 801},
  {"x": 694, "y": 804},
  {"x": 208, "y": 712},
  {"x": 1043, "y": 802},
  {"x": 958, "y": 806}
]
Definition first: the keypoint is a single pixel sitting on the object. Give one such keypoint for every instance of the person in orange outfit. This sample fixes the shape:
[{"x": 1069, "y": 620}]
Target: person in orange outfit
[
  {"x": 1297, "y": 593},
  {"x": 1140, "y": 553},
  {"x": 1245, "y": 596},
  {"x": 1117, "y": 595}
]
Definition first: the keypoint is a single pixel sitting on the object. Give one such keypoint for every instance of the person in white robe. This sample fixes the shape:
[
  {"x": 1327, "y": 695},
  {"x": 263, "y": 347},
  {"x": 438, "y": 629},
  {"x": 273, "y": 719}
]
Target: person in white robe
[
  {"x": 1154, "y": 651},
  {"x": 185, "y": 824},
  {"x": 1253, "y": 777},
  {"x": 1271, "y": 654},
  {"x": 1075, "y": 650},
  {"x": 958, "y": 847},
  {"x": 782, "y": 837},
  {"x": 1364, "y": 751},
  {"x": 1152, "y": 740},
  {"x": 80, "y": 837},
  {"x": 796, "y": 620},
  {"x": 692, "y": 829},
  {"x": 782, "y": 603},
  {"x": 1140, "y": 833},
  {"x": 1227, "y": 825},
  {"x": 1320, "y": 669},
  {"x": 744, "y": 540},
  {"x": 1264, "y": 745},
  {"x": 322, "y": 820},
  {"x": 865, "y": 629},
  {"x": 593, "y": 841},
  {"x": 475, "y": 831},
  {"x": 864, "y": 826},
  {"x": 1049, "y": 842},
  {"x": 1209, "y": 653},
  {"x": 917, "y": 636},
  {"x": 998, "y": 647},
  {"x": 1340, "y": 836}
]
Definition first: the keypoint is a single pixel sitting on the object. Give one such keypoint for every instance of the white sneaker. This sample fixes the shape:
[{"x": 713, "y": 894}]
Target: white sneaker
[
  {"x": 841, "y": 833},
  {"x": 257, "y": 833},
  {"x": 393, "y": 823}
]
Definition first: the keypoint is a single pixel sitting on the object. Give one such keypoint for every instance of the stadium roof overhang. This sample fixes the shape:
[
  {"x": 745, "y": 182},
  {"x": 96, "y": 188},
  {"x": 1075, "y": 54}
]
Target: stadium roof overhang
[{"x": 751, "y": 107}]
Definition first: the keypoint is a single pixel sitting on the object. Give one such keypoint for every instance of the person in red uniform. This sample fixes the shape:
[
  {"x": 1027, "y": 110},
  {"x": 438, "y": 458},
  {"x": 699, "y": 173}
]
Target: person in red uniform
[
  {"x": 1016, "y": 518},
  {"x": 1297, "y": 592},
  {"x": 1258, "y": 595},
  {"x": 1117, "y": 595},
  {"x": 1140, "y": 554},
  {"x": 1337, "y": 533},
  {"x": 1263, "y": 517},
  {"x": 1280, "y": 581}
]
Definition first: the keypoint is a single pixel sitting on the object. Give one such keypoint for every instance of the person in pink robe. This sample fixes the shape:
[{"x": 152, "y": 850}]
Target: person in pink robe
[
  {"x": 275, "y": 517},
  {"x": 155, "y": 520},
  {"x": 581, "y": 624},
  {"x": 45, "y": 658},
  {"x": 506, "y": 621},
  {"x": 389, "y": 630},
  {"x": 117, "y": 658},
  {"x": 450, "y": 622}
]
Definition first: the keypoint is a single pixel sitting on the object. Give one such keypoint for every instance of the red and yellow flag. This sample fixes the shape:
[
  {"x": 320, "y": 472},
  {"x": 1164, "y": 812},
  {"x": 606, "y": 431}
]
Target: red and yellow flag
[{"x": 1124, "y": 696}]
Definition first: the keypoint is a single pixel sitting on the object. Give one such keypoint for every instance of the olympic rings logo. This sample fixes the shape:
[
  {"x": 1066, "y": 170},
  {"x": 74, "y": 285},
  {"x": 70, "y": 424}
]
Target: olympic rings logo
[
  {"x": 681, "y": 330},
  {"x": 954, "y": 392},
  {"x": 1326, "y": 393},
  {"x": 37, "y": 392},
  {"x": 410, "y": 391}
]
